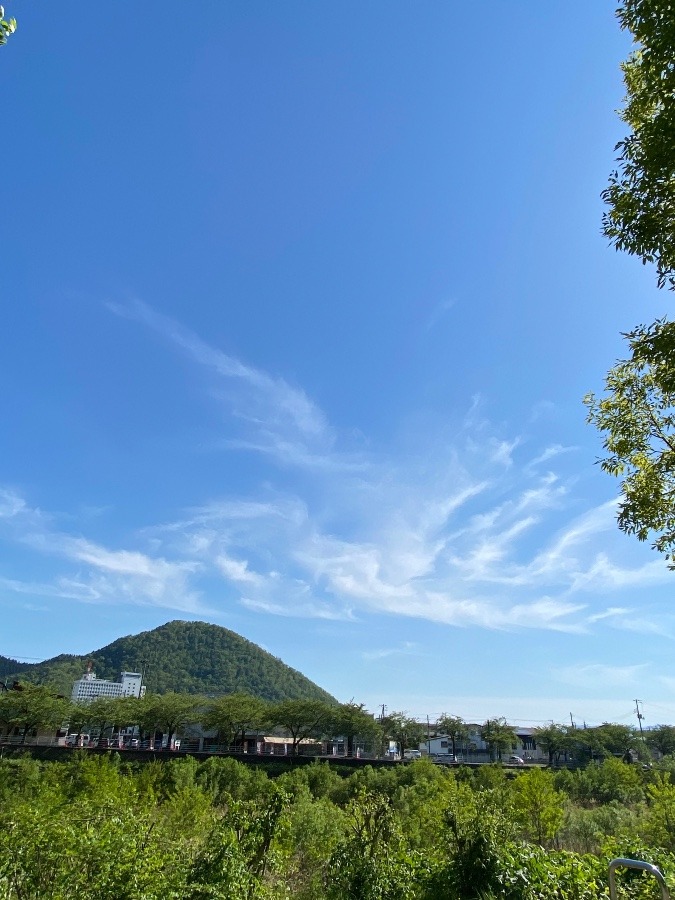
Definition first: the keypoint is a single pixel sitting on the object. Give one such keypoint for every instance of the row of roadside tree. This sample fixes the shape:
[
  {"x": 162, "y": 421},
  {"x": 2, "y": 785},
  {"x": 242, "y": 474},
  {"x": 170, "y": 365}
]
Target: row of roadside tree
[{"x": 30, "y": 709}]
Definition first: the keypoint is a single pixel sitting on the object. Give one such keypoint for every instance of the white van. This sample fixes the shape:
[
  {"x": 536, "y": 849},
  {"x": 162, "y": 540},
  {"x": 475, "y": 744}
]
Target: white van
[{"x": 412, "y": 754}]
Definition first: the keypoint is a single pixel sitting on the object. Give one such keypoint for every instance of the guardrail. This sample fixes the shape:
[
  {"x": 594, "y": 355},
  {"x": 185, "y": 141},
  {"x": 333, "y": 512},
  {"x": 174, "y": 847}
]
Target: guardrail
[{"x": 15, "y": 740}]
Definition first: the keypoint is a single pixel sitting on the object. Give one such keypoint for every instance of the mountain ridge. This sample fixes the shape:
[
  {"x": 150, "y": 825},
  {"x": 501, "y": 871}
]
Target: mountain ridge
[{"x": 186, "y": 657}]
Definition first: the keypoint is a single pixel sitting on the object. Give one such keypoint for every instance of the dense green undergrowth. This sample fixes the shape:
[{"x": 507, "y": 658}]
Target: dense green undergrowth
[{"x": 97, "y": 827}]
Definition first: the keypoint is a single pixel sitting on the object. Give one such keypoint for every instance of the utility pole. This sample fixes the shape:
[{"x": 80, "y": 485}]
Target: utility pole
[
  {"x": 639, "y": 714},
  {"x": 487, "y": 738}
]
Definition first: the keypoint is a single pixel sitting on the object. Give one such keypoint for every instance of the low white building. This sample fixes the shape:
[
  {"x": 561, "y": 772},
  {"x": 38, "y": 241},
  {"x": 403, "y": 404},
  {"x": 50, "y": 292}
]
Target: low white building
[
  {"x": 474, "y": 749},
  {"x": 89, "y": 687}
]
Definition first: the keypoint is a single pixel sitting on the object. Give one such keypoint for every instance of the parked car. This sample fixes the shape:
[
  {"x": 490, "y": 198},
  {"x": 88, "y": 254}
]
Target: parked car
[
  {"x": 412, "y": 754},
  {"x": 516, "y": 760}
]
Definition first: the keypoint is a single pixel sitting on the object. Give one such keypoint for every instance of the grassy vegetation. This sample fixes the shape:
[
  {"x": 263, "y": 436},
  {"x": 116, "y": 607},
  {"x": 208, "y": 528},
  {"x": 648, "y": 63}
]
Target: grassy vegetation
[{"x": 100, "y": 827}]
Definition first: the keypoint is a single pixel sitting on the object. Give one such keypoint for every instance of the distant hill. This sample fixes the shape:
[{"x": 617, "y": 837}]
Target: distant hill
[
  {"x": 187, "y": 657},
  {"x": 10, "y": 668}
]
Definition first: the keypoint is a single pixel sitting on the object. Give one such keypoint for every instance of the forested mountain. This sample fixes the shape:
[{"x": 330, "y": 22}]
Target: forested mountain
[
  {"x": 186, "y": 657},
  {"x": 10, "y": 668}
]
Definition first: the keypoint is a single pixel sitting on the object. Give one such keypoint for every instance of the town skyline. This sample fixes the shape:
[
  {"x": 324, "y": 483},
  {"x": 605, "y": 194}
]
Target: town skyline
[{"x": 452, "y": 706}]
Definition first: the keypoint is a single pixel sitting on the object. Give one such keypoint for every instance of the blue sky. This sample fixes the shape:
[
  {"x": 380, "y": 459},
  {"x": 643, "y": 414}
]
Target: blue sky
[{"x": 300, "y": 302}]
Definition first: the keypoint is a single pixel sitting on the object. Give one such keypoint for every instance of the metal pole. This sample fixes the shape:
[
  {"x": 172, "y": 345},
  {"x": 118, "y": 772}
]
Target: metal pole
[{"x": 622, "y": 863}]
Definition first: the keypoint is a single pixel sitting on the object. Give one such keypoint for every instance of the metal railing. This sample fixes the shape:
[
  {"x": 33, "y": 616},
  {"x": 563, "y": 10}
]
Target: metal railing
[
  {"x": 16, "y": 740},
  {"x": 622, "y": 863}
]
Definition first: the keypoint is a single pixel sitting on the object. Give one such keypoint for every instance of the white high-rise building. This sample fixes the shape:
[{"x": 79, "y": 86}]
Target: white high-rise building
[{"x": 89, "y": 687}]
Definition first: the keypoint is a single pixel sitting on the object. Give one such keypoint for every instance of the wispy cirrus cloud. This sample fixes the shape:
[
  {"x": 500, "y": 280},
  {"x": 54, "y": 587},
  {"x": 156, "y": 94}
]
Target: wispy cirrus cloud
[
  {"x": 599, "y": 675},
  {"x": 567, "y": 558},
  {"x": 236, "y": 570},
  {"x": 459, "y": 532},
  {"x": 438, "y": 312},
  {"x": 549, "y": 453},
  {"x": 283, "y": 422},
  {"x": 276, "y": 400},
  {"x": 100, "y": 574},
  {"x": 400, "y": 571},
  {"x": 302, "y": 609},
  {"x": 610, "y": 612},
  {"x": 407, "y": 648}
]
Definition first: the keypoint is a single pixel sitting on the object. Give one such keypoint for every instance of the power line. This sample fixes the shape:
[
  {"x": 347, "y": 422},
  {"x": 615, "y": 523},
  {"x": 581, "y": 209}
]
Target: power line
[
  {"x": 668, "y": 709},
  {"x": 628, "y": 715},
  {"x": 535, "y": 722},
  {"x": 22, "y": 658}
]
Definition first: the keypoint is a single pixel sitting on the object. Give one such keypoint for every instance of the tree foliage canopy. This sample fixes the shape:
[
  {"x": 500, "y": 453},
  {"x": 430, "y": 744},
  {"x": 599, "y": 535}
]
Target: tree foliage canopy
[
  {"x": 637, "y": 414},
  {"x": 498, "y": 735},
  {"x": 32, "y": 707},
  {"x": 406, "y": 731},
  {"x": 539, "y": 807},
  {"x": 637, "y": 418},
  {"x": 301, "y": 718},
  {"x": 662, "y": 739},
  {"x": 641, "y": 192},
  {"x": 7, "y": 27},
  {"x": 455, "y": 727},
  {"x": 234, "y": 714},
  {"x": 170, "y": 712},
  {"x": 554, "y": 739}
]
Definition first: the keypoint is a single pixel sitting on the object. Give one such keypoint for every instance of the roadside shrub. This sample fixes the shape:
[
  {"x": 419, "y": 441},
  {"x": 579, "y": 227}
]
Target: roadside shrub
[{"x": 225, "y": 779}]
